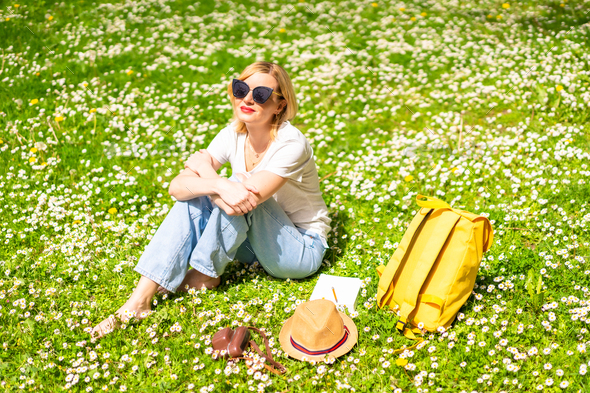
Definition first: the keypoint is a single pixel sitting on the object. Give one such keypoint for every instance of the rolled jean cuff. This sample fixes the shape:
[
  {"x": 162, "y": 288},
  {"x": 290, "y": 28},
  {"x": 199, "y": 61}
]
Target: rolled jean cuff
[
  {"x": 325, "y": 242},
  {"x": 155, "y": 279},
  {"x": 204, "y": 270}
]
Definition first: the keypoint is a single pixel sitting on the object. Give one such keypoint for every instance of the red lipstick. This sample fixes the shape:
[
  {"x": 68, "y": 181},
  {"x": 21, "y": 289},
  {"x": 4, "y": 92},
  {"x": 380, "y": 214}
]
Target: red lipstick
[{"x": 245, "y": 109}]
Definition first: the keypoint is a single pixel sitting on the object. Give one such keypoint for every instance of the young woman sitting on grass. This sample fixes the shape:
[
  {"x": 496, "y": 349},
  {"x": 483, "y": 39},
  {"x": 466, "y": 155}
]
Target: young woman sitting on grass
[{"x": 270, "y": 210}]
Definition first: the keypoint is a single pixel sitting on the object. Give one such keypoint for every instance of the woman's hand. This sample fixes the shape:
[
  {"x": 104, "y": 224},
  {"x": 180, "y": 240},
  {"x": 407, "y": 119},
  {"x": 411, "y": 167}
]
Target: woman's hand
[
  {"x": 223, "y": 206},
  {"x": 197, "y": 159},
  {"x": 237, "y": 196}
]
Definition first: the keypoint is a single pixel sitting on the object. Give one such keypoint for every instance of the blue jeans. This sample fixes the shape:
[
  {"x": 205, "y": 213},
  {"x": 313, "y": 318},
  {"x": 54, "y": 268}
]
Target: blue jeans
[{"x": 199, "y": 233}]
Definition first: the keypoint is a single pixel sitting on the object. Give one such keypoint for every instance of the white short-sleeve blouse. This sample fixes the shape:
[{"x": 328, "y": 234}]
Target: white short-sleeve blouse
[{"x": 289, "y": 156}]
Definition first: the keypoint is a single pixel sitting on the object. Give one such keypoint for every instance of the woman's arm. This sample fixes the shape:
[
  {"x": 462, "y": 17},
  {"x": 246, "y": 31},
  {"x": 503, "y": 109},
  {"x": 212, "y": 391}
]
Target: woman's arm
[
  {"x": 188, "y": 185},
  {"x": 200, "y": 178},
  {"x": 261, "y": 185},
  {"x": 267, "y": 183}
]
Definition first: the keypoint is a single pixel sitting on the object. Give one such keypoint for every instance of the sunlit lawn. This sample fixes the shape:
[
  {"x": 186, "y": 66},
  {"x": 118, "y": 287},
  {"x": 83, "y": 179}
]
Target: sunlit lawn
[{"x": 482, "y": 104}]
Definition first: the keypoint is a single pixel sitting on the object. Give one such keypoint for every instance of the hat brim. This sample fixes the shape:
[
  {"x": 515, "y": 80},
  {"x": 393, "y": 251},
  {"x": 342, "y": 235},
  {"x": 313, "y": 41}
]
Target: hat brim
[{"x": 285, "y": 340}]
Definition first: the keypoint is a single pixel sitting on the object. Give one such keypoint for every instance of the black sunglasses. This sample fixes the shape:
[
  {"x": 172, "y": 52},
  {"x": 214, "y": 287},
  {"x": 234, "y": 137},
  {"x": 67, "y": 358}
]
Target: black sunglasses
[{"x": 260, "y": 94}]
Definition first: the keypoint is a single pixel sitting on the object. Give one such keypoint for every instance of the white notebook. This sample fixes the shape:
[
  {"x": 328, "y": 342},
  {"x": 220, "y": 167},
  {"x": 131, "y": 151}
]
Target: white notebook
[{"x": 345, "y": 288}]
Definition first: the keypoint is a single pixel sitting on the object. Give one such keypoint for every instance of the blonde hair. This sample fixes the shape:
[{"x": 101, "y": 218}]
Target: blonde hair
[{"x": 285, "y": 89}]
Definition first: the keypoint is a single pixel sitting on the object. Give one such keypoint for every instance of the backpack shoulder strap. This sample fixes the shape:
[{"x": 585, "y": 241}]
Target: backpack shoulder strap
[
  {"x": 387, "y": 273},
  {"x": 445, "y": 223}
]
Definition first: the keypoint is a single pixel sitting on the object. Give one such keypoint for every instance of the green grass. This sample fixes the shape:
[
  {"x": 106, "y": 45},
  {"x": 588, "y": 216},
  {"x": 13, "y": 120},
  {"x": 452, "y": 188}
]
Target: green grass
[{"x": 486, "y": 113}]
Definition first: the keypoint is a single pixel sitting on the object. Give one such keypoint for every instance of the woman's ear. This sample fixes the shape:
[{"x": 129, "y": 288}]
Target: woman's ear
[{"x": 281, "y": 107}]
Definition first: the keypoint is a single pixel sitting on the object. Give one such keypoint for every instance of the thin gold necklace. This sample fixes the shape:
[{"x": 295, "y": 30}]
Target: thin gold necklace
[{"x": 253, "y": 151}]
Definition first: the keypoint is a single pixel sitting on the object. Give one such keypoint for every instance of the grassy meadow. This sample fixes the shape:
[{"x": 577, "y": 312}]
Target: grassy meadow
[{"x": 484, "y": 104}]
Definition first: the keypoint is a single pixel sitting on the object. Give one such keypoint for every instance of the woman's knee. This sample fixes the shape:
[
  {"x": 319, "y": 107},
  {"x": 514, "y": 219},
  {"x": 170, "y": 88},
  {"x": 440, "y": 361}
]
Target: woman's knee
[
  {"x": 285, "y": 271},
  {"x": 199, "y": 206},
  {"x": 196, "y": 200}
]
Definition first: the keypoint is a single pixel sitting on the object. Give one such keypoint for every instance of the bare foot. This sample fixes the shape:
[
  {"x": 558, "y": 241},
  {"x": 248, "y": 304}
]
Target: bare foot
[
  {"x": 137, "y": 306},
  {"x": 194, "y": 279},
  {"x": 132, "y": 308}
]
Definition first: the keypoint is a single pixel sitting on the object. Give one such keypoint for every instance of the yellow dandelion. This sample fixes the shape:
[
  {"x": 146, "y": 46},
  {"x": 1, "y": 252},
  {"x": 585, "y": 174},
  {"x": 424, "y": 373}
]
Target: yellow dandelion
[
  {"x": 559, "y": 88},
  {"x": 490, "y": 16},
  {"x": 423, "y": 14},
  {"x": 59, "y": 118},
  {"x": 112, "y": 210},
  {"x": 413, "y": 18},
  {"x": 50, "y": 17},
  {"x": 409, "y": 178},
  {"x": 32, "y": 159},
  {"x": 77, "y": 221},
  {"x": 38, "y": 73},
  {"x": 282, "y": 30},
  {"x": 1, "y": 141},
  {"x": 402, "y": 9},
  {"x": 401, "y": 362},
  {"x": 44, "y": 163},
  {"x": 7, "y": 19},
  {"x": 129, "y": 72},
  {"x": 374, "y": 4},
  {"x": 16, "y": 5},
  {"x": 34, "y": 101},
  {"x": 505, "y": 5},
  {"x": 92, "y": 110},
  {"x": 454, "y": 169},
  {"x": 499, "y": 17},
  {"x": 562, "y": 5},
  {"x": 33, "y": 150}
]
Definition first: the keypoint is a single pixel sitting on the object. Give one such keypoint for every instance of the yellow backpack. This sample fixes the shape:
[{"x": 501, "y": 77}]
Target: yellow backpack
[{"x": 433, "y": 271}]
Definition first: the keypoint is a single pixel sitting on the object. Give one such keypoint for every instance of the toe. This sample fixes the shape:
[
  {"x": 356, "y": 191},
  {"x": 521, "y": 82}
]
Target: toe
[
  {"x": 106, "y": 326},
  {"x": 96, "y": 332}
]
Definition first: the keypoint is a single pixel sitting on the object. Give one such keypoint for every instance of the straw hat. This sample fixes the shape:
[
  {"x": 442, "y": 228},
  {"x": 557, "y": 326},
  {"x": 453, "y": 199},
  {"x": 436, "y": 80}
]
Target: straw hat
[{"x": 317, "y": 329}]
